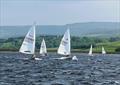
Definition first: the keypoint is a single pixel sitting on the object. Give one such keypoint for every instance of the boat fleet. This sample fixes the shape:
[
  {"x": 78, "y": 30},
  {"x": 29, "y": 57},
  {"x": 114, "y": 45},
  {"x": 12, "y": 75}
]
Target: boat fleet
[{"x": 28, "y": 46}]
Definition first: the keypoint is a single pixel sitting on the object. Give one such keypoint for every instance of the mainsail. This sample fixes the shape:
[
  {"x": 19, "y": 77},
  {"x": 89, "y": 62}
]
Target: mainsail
[
  {"x": 103, "y": 50},
  {"x": 65, "y": 46},
  {"x": 28, "y": 45},
  {"x": 90, "y": 51},
  {"x": 43, "y": 49}
]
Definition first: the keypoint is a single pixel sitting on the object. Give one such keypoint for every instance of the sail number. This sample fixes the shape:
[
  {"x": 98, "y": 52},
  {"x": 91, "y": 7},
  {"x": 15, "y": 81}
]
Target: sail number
[{"x": 29, "y": 40}]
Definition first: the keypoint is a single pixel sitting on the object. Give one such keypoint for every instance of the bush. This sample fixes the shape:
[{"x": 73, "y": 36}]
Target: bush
[{"x": 117, "y": 49}]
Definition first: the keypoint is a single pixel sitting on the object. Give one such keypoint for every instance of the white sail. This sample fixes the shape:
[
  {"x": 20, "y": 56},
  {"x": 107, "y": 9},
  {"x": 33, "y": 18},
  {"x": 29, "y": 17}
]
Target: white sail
[
  {"x": 65, "y": 46},
  {"x": 28, "y": 45},
  {"x": 43, "y": 49},
  {"x": 90, "y": 51},
  {"x": 103, "y": 50}
]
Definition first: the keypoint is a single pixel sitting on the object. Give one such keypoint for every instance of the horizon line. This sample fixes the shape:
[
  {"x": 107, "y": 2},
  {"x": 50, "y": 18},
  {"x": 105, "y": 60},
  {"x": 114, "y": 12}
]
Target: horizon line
[{"x": 60, "y": 24}]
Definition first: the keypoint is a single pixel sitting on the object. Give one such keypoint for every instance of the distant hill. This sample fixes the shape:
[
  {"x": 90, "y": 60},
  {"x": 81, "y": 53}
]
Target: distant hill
[{"x": 103, "y": 29}]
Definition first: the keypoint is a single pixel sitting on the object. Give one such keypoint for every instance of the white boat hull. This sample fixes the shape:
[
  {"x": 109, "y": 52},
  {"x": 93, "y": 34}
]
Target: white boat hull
[
  {"x": 38, "y": 59},
  {"x": 63, "y": 58}
]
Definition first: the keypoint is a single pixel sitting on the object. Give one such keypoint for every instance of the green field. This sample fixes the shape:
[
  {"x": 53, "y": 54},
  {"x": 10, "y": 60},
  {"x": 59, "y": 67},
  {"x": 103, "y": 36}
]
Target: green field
[{"x": 110, "y": 47}]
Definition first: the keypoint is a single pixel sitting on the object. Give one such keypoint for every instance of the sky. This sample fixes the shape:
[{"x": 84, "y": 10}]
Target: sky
[{"x": 58, "y": 12}]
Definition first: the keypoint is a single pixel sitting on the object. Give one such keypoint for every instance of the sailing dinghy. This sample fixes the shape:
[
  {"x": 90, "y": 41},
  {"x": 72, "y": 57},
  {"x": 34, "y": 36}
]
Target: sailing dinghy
[
  {"x": 90, "y": 51},
  {"x": 103, "y": 50},
  {"x": 28, "y": 45},
  {"x": 65, "y": 46},
  {"x": 43, "y": 50}
]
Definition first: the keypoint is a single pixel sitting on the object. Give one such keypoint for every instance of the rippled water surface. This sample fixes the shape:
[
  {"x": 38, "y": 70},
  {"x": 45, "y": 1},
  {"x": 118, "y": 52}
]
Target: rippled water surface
[{"x": 18, "y": 69}]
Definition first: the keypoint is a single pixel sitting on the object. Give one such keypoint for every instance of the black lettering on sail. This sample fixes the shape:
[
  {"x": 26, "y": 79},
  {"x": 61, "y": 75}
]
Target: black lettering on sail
[
  {"x": 29, "y": 40},
  {"x": 65, "y": 42},
  {"x": 30, "y": 35}
]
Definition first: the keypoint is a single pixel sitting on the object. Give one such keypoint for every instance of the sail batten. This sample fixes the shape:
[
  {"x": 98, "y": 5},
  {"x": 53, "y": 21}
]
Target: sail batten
[
  {"x": 28, "y": 45},
  {"x": 65, "y": 46}
]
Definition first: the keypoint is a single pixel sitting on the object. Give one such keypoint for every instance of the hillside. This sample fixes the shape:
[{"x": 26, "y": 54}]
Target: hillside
[{"x": 104, "y": 29}]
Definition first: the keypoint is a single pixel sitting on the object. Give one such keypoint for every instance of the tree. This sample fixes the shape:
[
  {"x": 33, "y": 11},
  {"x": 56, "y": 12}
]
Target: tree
[{"x": 117, "y": 49}]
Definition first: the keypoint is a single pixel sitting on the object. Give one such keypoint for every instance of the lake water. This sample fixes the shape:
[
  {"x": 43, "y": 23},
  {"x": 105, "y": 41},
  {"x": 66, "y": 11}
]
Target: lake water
[{"x": 18, "y": 69}]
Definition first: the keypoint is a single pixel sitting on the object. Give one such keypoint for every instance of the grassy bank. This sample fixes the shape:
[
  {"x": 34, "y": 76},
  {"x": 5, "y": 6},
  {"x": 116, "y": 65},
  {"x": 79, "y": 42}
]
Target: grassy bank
[{"x": 95, "y": 50}]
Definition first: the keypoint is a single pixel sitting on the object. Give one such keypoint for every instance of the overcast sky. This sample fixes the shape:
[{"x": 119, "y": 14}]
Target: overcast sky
[{"x": 54, "y": 12}]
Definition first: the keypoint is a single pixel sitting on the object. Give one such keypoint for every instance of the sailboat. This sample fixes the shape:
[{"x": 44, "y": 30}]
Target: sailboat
[
  {"x": 103, "y": 50},
  {"x": 65, "y": 45},
  {"x": 28, "y": 45},
  {"x": 90, "y": 51},
  {"x": 43, "y": 50}
]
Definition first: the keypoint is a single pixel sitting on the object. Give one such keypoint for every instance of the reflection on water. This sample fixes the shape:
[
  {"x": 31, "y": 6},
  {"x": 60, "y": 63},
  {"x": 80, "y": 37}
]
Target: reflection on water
[{"x": 17, "y": 69}]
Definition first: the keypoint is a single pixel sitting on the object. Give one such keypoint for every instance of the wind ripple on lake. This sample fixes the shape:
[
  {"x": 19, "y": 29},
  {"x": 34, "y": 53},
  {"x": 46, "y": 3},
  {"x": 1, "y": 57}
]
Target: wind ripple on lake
[{"x": 17, "y": 69}]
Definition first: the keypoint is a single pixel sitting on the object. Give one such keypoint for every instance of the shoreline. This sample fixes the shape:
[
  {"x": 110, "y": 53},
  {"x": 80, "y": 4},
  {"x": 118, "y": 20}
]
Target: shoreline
[{"x": 80, "y": 52}]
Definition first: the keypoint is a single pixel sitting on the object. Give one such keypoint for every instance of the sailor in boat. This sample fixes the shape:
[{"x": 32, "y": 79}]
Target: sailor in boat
[{"x": 66, "y": 55}]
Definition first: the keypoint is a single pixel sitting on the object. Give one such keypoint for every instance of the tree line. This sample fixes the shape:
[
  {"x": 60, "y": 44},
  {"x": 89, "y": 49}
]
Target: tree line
[{"x": 53, "y": 41}]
